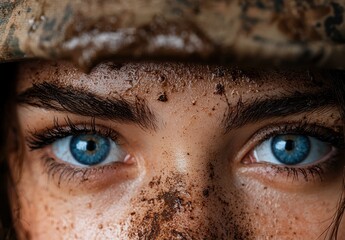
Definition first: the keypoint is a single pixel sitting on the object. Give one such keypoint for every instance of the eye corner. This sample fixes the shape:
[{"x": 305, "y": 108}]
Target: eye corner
[{"x": 249, "y": 158}]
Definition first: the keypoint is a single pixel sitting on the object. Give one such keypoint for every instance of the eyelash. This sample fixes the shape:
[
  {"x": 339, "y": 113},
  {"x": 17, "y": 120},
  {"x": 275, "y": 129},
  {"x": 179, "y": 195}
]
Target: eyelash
[
  {"x": 324, "y": 134},
  {"x": 313, "y": 130},
  {"x": 39, "y": 140}
]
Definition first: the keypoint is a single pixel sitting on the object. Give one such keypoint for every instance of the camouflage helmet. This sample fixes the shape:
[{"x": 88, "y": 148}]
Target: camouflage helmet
[{"x": 260, "y": 32}]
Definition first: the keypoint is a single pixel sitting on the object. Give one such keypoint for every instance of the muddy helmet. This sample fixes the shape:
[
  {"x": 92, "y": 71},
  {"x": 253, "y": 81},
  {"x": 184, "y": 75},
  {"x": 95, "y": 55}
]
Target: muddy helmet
[{"x": 259, "y": 32}]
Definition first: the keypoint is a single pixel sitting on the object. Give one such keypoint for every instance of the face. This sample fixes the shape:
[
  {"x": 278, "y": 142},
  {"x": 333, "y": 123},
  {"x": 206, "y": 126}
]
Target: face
[{"x": 176, "y": 151}]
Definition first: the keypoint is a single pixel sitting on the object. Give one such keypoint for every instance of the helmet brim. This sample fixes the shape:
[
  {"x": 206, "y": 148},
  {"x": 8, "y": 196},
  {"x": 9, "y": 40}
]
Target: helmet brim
[{"x": 260, "y": 33}]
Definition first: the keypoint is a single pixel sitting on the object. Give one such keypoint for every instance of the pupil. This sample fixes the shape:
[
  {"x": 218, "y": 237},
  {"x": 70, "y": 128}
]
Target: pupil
[
  {"x": 290, "y": 145},
  {"x": 91, "y": 146}
]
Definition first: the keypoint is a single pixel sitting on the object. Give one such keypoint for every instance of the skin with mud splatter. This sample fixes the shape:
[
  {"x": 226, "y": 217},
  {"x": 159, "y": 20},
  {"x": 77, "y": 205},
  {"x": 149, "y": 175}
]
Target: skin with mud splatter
[
  {"x": 189, "y": 170},
  {"x": 178, "y": 202}
]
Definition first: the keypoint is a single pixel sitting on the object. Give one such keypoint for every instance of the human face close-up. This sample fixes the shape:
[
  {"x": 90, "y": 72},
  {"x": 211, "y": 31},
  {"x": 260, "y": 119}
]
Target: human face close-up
[{"x": 175, "y": 151}]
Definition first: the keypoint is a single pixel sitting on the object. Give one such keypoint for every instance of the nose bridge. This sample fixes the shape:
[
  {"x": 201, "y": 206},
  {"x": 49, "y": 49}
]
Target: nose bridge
[
  {"x": 190, "y": 143},
  {"x": 188, "y": 196},
  {"x": 187, "y": 156}
]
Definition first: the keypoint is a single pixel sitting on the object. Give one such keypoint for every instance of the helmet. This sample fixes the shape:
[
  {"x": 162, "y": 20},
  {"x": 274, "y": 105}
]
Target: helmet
[{"x": 255, "y": 32}]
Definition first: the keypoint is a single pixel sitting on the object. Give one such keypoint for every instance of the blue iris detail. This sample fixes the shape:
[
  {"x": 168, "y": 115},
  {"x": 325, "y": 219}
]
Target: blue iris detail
[
  {"x": 290, "y": 149},
  {"x": 89, "y": 149}
]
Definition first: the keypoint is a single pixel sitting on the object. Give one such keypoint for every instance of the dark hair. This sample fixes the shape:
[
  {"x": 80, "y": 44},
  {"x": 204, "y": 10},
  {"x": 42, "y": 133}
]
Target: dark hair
[
  {"x": 338, "y": 81},
  {"x": 7, "y": 110},
  {"x": 7, "y": 93}
]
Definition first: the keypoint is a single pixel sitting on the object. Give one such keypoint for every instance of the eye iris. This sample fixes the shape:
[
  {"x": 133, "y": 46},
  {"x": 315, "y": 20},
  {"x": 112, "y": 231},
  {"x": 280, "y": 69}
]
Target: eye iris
[
  {"x": 290, "y": 149},
  {"x": 89, "y": 149}
]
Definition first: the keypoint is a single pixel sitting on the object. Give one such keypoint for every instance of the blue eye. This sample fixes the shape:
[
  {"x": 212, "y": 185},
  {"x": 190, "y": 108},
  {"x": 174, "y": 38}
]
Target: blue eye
[
  {"x": 88, "y": 150},
  {"x": 290, "y": 149}
]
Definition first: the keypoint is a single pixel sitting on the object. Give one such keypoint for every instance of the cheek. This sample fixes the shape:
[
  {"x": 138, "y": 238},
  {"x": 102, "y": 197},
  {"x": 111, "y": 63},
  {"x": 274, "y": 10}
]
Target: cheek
[
  {"x": 302, "y": 215},
  {"x": 47, "y": 213}
]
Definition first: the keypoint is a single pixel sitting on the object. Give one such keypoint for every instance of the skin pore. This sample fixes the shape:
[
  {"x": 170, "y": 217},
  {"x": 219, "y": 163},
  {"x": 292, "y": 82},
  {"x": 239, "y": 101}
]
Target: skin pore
[{"x": 188, "y": 168}]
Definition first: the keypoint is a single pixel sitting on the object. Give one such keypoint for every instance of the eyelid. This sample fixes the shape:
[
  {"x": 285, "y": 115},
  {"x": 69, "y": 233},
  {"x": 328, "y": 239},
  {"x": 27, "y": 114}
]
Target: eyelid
[
  {"x": 322, "y": 133},
  {"x": 293, "y": 178}
]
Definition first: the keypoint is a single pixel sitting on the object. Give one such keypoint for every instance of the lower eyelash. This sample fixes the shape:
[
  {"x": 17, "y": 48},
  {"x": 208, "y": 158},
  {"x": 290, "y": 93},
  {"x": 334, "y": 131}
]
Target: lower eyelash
[
  {"x": 68, "y": 173},
  {"x": 65, "y": 172},
  {"x": 296, "y": 173},
  {"x": 309, "y": 173}
]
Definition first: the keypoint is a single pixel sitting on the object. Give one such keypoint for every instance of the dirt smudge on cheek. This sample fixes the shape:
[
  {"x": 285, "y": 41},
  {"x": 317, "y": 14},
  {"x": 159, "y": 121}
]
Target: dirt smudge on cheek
[{"x": 175, "y": 207}]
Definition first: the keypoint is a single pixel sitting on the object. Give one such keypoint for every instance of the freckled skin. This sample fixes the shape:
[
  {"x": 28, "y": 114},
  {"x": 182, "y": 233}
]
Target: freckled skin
[{"x": 187, "y": 179}]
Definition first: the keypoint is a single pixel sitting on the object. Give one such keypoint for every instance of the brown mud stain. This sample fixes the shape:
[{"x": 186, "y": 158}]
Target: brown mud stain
[
  {"x": 173, "y": 208},
  {"x": 219, "y": 89},
  {"x": 162, "y": 97}
]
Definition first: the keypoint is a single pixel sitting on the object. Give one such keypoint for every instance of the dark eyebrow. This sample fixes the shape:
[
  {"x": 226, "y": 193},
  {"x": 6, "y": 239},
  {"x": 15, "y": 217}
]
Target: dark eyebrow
[
  {"x": 261, "y": 109},
  {"x": 68, "y": 99}
]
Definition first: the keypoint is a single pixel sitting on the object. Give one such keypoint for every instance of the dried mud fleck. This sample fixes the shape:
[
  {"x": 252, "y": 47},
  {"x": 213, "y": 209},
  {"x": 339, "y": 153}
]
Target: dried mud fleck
[
  {"x": 206, "y": 192},
  {"x": 220, "y": 90},
  {"x": 211, "y": 171},
  {"x": 163, "y": 97},
  {"x": 172, "y": 208},
  {"x": 219, "y": 72}
]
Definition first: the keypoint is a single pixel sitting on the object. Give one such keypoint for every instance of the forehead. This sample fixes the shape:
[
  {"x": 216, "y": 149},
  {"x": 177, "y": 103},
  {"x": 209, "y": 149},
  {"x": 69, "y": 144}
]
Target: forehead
[{"x": 172, "y": 77}]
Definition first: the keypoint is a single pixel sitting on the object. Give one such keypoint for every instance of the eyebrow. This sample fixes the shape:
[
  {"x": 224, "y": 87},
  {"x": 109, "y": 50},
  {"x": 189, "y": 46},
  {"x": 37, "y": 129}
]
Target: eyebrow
[
  {"x": 69, "y": 99},
  {"x": 260, "y": 109}
]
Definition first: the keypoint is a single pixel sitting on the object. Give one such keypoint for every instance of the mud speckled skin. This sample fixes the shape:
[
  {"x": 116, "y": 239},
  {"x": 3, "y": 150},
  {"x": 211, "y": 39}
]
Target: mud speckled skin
[{"x": 261, "y": 32}]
